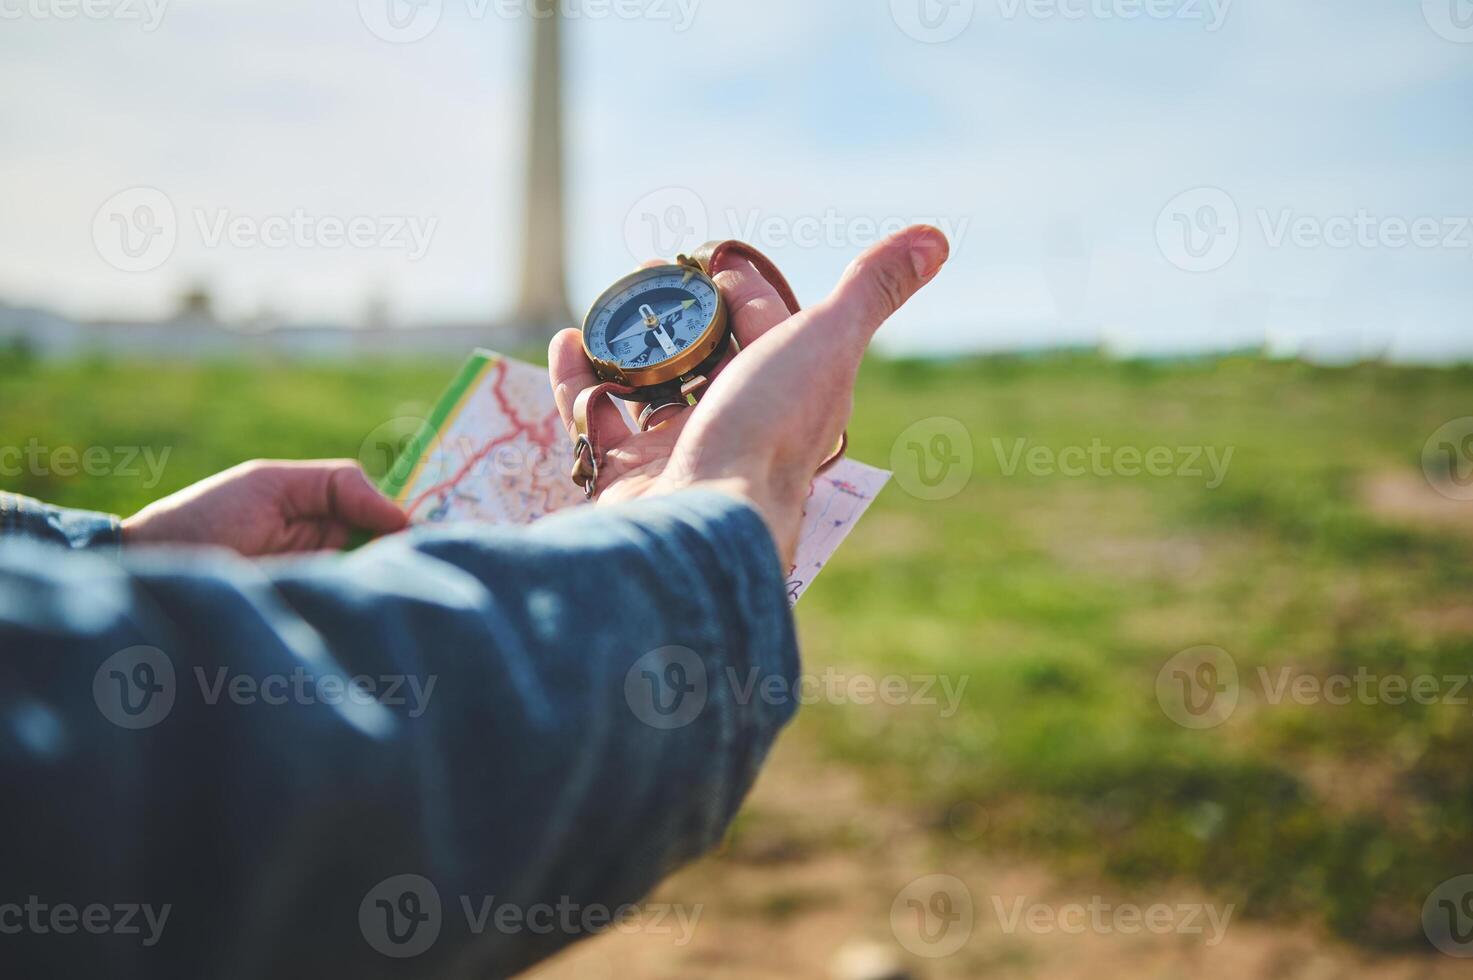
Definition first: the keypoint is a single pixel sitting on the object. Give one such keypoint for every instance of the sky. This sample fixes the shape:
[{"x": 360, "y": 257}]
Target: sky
[{"x": 1151, "y": 175}]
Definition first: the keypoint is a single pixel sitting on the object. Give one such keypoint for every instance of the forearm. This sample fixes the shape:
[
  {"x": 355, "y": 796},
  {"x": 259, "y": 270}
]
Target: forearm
[{"x": 529, "y": 766}]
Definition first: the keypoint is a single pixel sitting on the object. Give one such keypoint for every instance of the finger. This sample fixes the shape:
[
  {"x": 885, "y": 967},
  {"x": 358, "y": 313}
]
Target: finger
[
  {"x": 336, "y": 489},
  {"x": 813, "y": 358},
  {"x": 308, "y": 535},
  {"x": 752, "y": 302},
  {"x": 879, "y": 282},
  {"x": 334, "y": 537},
  {"x": 572, "y": 374},
  {"x": 355, "y": 501}
]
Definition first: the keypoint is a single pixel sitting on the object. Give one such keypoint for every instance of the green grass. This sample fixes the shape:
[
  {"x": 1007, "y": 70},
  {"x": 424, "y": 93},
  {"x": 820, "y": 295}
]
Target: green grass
[
  {"x": 1061, "y": 598},
  {"x": 206, "y": 417},
  {"x": 1058, "y": 599}
]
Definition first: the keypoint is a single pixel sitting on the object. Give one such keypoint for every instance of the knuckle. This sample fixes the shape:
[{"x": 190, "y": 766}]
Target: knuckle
[
  {"x": 262, "y": 469},
  {"x": 886, "y": 284}
]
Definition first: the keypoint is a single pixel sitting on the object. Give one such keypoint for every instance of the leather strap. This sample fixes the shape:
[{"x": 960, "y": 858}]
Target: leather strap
[
  {"x": 587, "y": 454},
  {"x": 709, "y": 254}
]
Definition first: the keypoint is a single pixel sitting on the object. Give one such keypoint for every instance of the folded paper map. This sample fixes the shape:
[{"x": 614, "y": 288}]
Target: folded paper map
[{"x": 494, "y": 450}]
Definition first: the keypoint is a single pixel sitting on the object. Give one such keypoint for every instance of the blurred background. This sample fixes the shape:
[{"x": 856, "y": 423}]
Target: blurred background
[{"x": 1170, "y": 590}]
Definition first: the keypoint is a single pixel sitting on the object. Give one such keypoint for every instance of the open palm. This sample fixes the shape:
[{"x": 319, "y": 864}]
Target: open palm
[{"x": 778, "y": 403}]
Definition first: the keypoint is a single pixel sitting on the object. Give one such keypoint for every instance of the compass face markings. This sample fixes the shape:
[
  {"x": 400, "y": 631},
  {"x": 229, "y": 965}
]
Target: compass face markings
[{"x": 658, "y": 315}]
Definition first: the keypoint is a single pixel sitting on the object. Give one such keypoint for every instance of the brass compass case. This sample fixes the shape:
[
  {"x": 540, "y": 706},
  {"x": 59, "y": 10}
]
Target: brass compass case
[{"x": 669, "y": 379}]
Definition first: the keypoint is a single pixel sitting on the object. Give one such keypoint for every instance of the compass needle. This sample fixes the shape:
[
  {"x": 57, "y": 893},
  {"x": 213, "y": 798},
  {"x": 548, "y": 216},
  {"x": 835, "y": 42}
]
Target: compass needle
[{"x": 659, "y": 332}]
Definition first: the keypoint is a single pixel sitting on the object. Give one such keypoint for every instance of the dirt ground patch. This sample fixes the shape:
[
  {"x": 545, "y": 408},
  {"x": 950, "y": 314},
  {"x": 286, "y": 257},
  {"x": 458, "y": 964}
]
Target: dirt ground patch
[
  {"x": 811, "y": 876},
  {"x": 1407, "y": 498}
]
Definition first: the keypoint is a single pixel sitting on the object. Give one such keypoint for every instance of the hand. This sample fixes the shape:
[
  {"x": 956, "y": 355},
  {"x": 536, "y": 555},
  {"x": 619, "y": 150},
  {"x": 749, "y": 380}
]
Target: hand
[
  {"x": 270, "y": 508},
  {"x": 776, "y": 409}
]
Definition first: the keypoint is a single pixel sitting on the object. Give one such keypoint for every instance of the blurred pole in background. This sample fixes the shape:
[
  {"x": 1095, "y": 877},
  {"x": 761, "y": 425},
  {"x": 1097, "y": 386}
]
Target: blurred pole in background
[{"x": 542, "y": 308}]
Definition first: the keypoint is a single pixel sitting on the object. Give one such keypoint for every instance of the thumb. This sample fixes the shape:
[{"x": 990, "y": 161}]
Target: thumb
[
  {"x": 885, "y": 277},
  {"x": 356, "y": 502}
]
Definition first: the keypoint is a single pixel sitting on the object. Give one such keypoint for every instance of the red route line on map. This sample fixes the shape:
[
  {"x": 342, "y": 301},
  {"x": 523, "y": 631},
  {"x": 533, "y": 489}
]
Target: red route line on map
[{"x": 519, "y": 427}]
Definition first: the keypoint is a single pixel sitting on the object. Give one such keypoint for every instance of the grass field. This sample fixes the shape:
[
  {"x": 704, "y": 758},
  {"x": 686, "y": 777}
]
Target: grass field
[{"x": 1057, "y": 600}]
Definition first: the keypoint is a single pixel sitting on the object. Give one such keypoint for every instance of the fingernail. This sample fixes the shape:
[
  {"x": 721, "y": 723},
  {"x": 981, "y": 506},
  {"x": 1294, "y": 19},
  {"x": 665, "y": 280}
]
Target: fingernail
[{"x": 928, "y": 250}]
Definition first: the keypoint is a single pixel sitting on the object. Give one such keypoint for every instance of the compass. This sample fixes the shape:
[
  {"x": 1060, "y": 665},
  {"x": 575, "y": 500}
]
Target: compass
[
  {"x": 655, "y": 337},
  {"x": 658, "y": 333}
]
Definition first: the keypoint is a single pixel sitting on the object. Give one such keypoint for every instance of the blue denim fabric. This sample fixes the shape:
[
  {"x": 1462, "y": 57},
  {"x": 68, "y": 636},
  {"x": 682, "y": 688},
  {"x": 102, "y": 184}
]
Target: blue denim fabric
[
  {"x": 25, "y": 517},
  {"x": 596, "y": 718}
]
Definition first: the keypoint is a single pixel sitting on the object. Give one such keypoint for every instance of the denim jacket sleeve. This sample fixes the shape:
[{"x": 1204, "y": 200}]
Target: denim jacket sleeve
[
  {"x": 23, "y": 517},
  {"x": 446, "y": 755}
]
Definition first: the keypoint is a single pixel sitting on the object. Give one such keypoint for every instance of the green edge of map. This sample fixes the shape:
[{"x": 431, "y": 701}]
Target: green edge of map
[{"x": 398, "y": 477}]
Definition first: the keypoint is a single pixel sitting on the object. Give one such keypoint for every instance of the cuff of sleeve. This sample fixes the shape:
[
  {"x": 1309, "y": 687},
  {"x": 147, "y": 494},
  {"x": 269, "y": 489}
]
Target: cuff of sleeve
[{"x": 24, "y": 517}]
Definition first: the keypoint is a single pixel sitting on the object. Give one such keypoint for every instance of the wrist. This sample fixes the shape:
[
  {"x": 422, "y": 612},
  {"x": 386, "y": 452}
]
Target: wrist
[{"x": 782, "y": 513}]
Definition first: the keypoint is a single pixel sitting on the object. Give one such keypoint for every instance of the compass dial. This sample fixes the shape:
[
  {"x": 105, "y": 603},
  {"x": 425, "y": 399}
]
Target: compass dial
[{"x": 655, "y": 317}]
